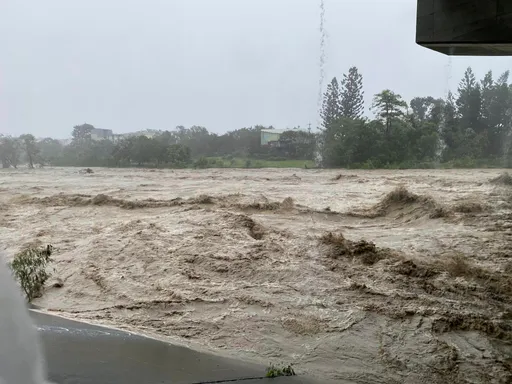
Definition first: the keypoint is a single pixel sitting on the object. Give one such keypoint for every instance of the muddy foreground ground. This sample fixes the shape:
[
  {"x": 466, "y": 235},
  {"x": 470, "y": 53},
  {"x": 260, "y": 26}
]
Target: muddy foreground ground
[{"x": 370, "y": 276}]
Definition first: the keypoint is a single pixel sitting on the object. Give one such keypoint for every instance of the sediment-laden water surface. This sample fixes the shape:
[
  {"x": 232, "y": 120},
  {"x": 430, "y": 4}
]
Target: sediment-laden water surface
[{"x": 369, "y": 276}]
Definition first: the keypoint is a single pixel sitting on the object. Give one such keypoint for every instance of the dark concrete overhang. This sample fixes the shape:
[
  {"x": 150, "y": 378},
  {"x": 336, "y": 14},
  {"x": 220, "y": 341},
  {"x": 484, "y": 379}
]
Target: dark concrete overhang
[{"x": 465, "y": 27}]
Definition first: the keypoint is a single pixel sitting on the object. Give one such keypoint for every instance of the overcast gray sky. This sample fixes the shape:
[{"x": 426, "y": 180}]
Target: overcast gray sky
[{"x": 129, "y": 65}]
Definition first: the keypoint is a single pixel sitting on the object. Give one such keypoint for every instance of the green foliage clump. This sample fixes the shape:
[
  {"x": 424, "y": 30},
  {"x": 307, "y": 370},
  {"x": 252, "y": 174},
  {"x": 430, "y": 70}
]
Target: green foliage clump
[
  {"x": 274, "y": 371},
  {"x": 29, "y": 269},
  {"x": 202, "y": 162}
]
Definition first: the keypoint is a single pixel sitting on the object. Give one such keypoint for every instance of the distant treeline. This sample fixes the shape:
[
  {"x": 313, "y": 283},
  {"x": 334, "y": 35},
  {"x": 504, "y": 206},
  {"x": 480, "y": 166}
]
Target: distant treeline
[
  {"x": 179, "y": 148},
  {"x": 469, "y": 129}
]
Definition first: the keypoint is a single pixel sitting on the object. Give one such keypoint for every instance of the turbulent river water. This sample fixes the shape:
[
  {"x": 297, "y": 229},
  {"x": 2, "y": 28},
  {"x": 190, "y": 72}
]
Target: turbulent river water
[{"x": 369, "y": 276}]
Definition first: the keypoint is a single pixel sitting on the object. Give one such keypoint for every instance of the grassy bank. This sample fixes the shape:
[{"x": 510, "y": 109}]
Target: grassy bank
[
  {"x": 252, "y": 163},
  {"x": 462, "y": 163},
  {"x": 219, "y": 162}
]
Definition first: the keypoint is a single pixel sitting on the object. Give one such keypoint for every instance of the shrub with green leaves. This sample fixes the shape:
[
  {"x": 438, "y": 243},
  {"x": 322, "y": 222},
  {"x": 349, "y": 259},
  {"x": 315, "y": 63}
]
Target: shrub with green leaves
[
  {"x": 29, "y": 269},
  {"x": 274, "y": 371}
]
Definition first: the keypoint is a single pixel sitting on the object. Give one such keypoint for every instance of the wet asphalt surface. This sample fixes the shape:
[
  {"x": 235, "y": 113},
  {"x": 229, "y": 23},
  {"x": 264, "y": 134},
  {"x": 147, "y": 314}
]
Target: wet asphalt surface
[{"x": 79, "y": 353}]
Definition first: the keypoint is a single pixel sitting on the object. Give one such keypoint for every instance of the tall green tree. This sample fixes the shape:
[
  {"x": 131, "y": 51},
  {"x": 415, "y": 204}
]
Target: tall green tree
[
  {"x": 82, "y": 133},
  {"x": 487, "y": 86},
  {"x": 426, "y": 109},
  {"x": 10, "y": 151},
  {"x": 81, "y": 144},
  {"x": 31, "y": 149},
  {"x": 472, "y": 136},
  {"x": 450, "y": 132},
  {"x": 496, "y": 113},
  {"x": 331, "y": 116},
  {"x": 421, "y": 107},
  {"x": 331, "y": 106},
  {"x": 469, "y": 102},
  {"x": 352, "y": 95},
  {"x": 388, "y": 106}
]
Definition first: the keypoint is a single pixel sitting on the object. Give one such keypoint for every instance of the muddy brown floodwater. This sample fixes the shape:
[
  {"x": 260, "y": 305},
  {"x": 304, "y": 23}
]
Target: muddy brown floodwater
[{"x": 368, "y": 276}]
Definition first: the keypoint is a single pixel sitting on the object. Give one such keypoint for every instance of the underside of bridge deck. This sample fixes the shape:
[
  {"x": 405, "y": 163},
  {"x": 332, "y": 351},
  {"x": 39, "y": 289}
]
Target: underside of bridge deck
[{"x": 465, "y": 27}]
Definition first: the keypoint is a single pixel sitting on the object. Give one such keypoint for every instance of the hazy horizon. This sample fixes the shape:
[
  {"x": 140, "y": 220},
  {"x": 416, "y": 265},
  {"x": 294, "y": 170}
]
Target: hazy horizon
[{"x": 224, "y": 64}]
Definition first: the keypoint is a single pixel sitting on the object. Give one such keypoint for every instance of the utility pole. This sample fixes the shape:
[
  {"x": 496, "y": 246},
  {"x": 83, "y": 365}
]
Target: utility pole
[{"x": 309, "y": 127}]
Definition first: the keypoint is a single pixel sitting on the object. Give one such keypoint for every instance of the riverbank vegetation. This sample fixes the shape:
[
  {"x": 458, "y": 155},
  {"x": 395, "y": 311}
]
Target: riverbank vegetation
[{"x": 470, "y": 128}]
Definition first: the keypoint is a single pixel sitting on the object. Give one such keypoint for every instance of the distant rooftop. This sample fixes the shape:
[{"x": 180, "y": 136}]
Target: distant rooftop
[
  {"x": 275, "y": 130},
  {"x": 280, "y": 131}
]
